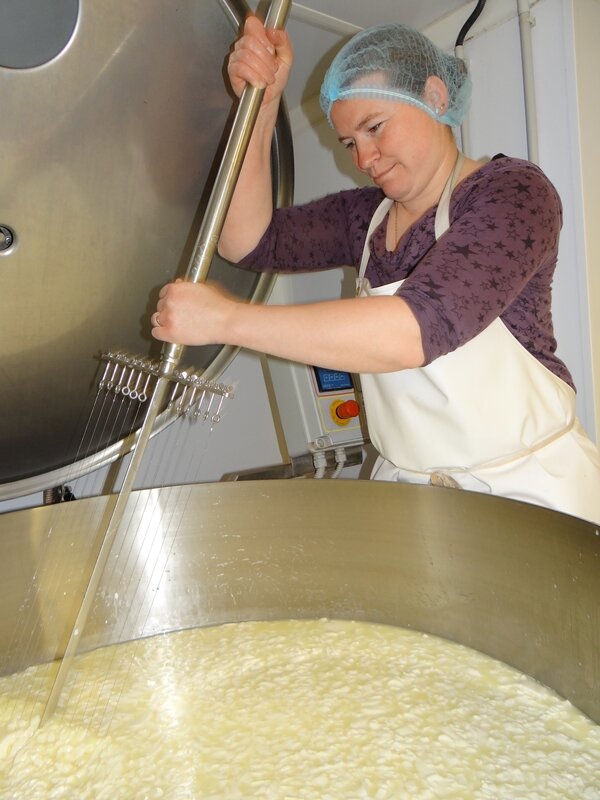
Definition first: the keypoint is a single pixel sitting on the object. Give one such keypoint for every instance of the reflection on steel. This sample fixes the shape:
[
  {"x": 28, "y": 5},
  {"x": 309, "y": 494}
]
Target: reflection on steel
[{"x": 134, "y": 377}]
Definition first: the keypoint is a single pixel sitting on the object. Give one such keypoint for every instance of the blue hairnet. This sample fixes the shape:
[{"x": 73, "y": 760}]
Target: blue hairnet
[{"x": 394, "y": 61}]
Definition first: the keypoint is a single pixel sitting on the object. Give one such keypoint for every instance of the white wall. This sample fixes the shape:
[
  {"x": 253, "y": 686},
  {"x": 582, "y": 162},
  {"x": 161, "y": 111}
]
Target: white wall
[{"x": 586, "y": 24}]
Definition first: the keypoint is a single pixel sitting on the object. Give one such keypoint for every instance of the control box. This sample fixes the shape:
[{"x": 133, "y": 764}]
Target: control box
[
  {"x": 315, "y": 409},
  {"x": 318, "y": 409}
]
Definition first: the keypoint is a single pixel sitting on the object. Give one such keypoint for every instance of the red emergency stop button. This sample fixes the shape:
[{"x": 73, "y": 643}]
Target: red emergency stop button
[{"x": 347, "y": 409}]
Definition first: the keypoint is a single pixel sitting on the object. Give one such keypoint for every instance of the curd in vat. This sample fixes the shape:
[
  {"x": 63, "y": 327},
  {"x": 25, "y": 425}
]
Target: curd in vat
[{"x": 295, "y": 710}]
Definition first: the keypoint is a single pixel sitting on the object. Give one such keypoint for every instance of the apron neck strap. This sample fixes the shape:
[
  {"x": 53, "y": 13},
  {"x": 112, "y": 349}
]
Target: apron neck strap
[
  {"x": 376, "y": 220},
  {"x": 442, "y": 216}
]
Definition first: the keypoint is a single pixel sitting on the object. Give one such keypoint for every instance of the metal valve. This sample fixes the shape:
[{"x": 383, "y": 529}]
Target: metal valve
[{"x": 7, "y": 238}]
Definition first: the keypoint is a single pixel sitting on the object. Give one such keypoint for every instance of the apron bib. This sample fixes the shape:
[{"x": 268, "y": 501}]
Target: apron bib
[{"x": 488, "y": 416}]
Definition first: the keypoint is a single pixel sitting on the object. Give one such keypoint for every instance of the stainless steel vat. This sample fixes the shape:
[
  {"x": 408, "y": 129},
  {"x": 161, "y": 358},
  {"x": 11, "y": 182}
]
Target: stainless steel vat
[
  {"x": 109, "y": 149},
  {"x": 518, "y": 582}
]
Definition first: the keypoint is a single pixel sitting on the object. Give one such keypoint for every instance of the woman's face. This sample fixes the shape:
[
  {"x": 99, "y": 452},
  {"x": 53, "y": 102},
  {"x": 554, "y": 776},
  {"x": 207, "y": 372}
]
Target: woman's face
[{"x": 400, "y": 147}]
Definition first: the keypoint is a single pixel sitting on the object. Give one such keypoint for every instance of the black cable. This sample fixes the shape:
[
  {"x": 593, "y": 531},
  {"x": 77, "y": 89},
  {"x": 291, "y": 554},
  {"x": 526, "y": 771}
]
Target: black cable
[{"x": 468, "y": 24}]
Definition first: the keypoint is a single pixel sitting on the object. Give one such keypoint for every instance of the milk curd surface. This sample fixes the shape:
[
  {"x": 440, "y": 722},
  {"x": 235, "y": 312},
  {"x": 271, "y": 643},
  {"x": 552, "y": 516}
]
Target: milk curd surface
[{"x": 294, "y": 710}]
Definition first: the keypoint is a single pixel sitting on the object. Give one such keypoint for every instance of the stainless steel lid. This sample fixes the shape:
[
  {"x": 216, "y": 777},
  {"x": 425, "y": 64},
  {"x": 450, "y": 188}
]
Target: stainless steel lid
[{"x": 109, "y": 149}]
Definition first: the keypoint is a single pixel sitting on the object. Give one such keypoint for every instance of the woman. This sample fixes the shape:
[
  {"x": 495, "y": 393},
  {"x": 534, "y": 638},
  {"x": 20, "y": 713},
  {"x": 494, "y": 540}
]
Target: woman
[{"x": 451, "y": 328}]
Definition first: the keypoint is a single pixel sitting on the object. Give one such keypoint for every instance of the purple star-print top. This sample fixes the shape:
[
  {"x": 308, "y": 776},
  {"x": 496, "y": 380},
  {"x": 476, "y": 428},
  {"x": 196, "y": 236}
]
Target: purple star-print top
[{"x": 496, "y": 260}]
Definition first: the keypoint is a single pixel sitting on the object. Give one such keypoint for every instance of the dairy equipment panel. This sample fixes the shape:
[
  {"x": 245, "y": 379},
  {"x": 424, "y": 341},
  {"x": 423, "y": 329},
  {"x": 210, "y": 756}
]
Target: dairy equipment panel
[{"x": 318, "y": 409}]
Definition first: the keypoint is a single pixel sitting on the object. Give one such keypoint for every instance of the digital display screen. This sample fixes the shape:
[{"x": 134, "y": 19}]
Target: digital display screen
[{"x": 332, "y": 380}]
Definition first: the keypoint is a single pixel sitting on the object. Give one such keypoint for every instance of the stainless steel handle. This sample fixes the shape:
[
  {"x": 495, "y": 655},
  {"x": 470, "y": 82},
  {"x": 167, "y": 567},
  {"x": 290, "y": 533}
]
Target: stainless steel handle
[
  {"x": 204, "y": 249},
  {"x": 225, "y": 182}
]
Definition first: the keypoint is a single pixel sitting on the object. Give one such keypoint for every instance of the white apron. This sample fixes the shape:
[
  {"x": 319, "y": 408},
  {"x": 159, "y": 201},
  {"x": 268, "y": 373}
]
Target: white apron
[{"x": 488, "y": 416}]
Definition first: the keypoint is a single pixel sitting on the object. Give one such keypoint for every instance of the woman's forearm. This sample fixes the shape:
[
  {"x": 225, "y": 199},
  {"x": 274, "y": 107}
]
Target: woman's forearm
[
  {"x": 251, "y": 206},
  {"x": 375, "y": 334},
  {"x": 263, "y": 59},
  {"x": 367, "y": 334}
]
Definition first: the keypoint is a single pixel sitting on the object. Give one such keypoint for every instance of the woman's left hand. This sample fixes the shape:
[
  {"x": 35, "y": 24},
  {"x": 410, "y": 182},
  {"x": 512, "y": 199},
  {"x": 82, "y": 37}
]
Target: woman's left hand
[{"x": 193, "y": 313}]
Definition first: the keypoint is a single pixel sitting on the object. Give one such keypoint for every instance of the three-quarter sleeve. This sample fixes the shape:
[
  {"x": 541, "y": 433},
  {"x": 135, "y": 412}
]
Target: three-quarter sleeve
[
  {"x": 322, "y": 234},
  {"x": 496, "y": 260}
]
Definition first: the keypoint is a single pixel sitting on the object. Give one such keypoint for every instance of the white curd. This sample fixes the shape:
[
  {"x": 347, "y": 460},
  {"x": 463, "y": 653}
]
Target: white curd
[{"x": 294, "y": 710}]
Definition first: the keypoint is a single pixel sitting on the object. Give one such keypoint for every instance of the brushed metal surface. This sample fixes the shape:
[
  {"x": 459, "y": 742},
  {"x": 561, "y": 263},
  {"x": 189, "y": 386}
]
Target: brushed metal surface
[
  {"x": 518, "y": 582},
  {"x": 108, "y": 155}
]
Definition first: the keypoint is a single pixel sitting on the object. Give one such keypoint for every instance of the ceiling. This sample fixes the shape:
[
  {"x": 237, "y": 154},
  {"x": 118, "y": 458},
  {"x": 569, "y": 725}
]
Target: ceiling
[{"x": 316, "y": 36}]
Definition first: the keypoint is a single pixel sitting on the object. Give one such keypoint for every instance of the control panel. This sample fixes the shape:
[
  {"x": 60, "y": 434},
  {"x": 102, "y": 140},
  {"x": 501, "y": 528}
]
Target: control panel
[
  {"x": 339, "y": 409},
  {"x": 315, "y": 409},
  {"x": 319, "y": 409}
]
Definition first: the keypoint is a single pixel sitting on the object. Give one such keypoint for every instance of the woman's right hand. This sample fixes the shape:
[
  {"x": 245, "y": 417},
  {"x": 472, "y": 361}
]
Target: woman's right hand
[{"x": 262, "y": 58}]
